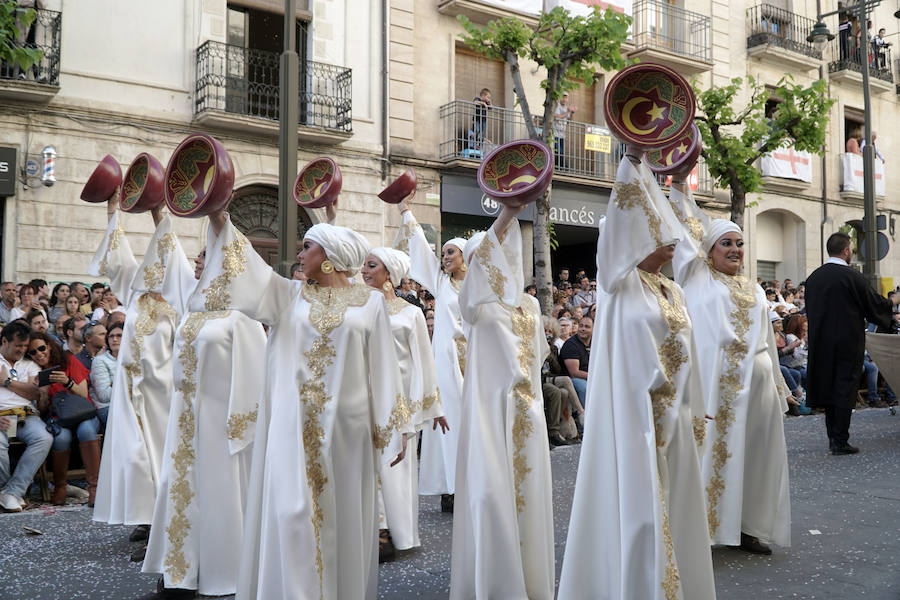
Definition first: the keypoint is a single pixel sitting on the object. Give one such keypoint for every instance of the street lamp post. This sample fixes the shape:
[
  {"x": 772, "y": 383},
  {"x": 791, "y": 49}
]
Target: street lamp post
[
  {"x": 819, "y": 36},
  {"x": 288, "y": 117}
]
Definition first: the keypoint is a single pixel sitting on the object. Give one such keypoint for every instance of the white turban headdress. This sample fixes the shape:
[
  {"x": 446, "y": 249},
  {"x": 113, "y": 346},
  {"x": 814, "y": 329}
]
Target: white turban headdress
[
  {"x": 472, "y": 245},
  {"x": 345, "y": 248},
  {"x": 718, "y": 228},
  {"x": 396, "y": 262},
  {"x": 458, "y": 242}
]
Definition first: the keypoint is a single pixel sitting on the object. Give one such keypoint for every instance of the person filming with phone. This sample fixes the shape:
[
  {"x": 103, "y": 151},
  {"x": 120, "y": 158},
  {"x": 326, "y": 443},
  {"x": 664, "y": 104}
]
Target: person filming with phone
[
  {"x": 63, "y": 383},
  {"x": 19, "y": 417}
]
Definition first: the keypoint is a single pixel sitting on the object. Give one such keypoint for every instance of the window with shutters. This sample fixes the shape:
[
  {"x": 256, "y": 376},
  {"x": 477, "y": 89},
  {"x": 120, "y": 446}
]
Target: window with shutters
[{"x": 474, "y": 72}]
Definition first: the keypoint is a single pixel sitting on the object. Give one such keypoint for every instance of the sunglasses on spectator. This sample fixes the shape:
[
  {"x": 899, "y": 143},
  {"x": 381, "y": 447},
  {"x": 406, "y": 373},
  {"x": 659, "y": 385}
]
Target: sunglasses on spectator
[{"x": 33, "y": 351}]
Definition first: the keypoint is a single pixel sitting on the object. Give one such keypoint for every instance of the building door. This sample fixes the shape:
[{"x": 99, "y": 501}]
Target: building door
[{"x": 254, "y": 211}]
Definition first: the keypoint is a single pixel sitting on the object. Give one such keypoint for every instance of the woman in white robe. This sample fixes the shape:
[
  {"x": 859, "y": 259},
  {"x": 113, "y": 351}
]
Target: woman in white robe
[
  {"x": 443, "y": 278},
  {"x": 503, "y": 517},
  {"x": 398, "y": 498},
  {"x": 744, "y": 459},
  {"x": 333, "y": 412},
  {"x": 218, "y": 375},
  {"x": 638, "y": 525},
  {"x": 142, "y": 390}
]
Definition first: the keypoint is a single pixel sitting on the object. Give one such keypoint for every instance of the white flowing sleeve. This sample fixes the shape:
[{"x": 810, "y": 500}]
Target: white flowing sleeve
[
  {"x": 495, "y": 273},
  {"x": 166, "y": 269},
  {"x": 237, "y": 278},
  {"x": 639, "y": 219},
  {"x": 114, "y": 259},
  {"x": 690, "y": 256},
  {"x": 424, "y": 395},
  {"x": 248, "y": 345},
  {"x": 391, "y": 412},
  {"x": 425, "y": 267}
]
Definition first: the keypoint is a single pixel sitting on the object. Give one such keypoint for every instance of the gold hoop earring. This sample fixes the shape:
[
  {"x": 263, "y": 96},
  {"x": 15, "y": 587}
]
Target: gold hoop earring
[
  {"x": 464, "y": 268},
  {"x": 327, "y": 267},
  {"x": 387, "y": 286}
]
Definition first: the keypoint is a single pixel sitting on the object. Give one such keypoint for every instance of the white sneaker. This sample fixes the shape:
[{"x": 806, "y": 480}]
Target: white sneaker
[{"x": 9, "y": 503}]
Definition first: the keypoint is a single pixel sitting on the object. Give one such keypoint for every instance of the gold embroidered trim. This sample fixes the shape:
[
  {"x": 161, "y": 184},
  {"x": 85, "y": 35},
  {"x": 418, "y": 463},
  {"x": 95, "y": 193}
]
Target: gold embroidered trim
[
  {"x": 630, "y": 195},
  {"x": 153, "y": 275},
  {"x": 396, "y": 305},
  {"x": 699, "y": 424},
  {"x": 428, "y": 401},
  {"x": 183, "y": 457},
  {"x": 326, "y": 312},
  {"x": 150, "y": 312},
  {"x": 112, "y": 246},
  {"x": 460, "y": 342},
  {"x": 237, "y": 423},
  {"x": 234, "y": 262},
  {"x": 407, "y": 231},
  {"x": 496, "y": 279},
  {"x": 523, "y": 394},
  {"x": 730, "y": 380},
  {"x": 400, "y": 415},
  {"x": 671, "y": 582},
  {"x": 456, "y": 284},
  {"x": 693, "y": 224}
]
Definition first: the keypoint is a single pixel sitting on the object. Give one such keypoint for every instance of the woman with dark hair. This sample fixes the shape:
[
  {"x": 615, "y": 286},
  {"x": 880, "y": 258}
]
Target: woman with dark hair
[
  {"x": 71, "y": 378},
  {"x": 28, "y": 301},
  {"x": 58, "y": 298},
  {"x": 103, "y": 371}
]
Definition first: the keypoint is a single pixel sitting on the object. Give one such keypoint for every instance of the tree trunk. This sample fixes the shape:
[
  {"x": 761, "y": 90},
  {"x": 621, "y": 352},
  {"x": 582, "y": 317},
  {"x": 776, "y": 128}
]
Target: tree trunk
[
  {"x": 738, "y": 204},
  {"x": 543, "y": 277}
]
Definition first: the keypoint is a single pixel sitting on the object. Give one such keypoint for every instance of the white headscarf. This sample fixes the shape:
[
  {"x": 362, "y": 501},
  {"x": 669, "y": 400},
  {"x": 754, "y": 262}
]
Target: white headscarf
[
  {"x": 472, "y": 245},
  {"x": 343, "y": 247},
  {"x": 718, "y": 228},
  {"x": 458, "y": 242},
  {"x": 396, "y": 262}
]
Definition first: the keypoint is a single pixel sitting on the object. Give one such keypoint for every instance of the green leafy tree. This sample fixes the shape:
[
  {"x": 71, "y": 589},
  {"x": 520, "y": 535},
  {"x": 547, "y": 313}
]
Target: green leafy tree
[
  {"x": 570, "y": 49},
  {"x": 12, "y": 17},
  {"x": 733, "y": 140}
]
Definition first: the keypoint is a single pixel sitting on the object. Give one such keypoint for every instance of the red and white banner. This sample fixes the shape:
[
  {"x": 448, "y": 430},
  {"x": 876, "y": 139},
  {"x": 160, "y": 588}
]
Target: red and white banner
[
  {"x": 852, "y": 174},
  {"x": 787, "y": 163}
]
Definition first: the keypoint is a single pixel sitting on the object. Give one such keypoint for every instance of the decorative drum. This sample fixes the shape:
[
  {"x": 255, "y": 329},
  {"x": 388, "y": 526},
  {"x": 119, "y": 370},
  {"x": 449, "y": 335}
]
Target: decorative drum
[
  {"x": 400, "y": 188},
  {"x": 199, "y": 177},
  {"x": 102, "y": 183},
  {"x": 143, "y": 188},
  {"x": 677, "y": 157},
  {"x": 318, "y": 183},
  {"x": 517, "y": 173}
]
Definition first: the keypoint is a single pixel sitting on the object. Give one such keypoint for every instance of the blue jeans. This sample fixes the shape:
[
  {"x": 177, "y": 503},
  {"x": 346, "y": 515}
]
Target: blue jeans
[
  {"x": 33, "y": 431},
  {"x": 791, "y": 377},
  {"x": 871, "y": 370},
  {"x": 86, "y": 431},
  {"x": 580, "y": 386}
]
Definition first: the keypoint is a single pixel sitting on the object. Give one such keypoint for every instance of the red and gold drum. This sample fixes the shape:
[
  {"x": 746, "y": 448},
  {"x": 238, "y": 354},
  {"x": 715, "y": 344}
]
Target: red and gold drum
[{"x": 517, "y": 173}]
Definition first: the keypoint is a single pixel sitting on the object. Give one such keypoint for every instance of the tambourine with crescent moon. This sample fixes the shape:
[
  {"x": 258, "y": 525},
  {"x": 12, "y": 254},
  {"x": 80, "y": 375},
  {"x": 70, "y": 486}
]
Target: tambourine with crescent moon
[
  {"x": 318, "y": 184},
  {"x": 400, "y": 188},
  {"x": 677, "y": 157},
  {"x": 102, "y": 183},
  {"x": 199, "y": 177},
  {"x": 649, "y": 106},
  {"x": 516, "y": 173},
  {"x": 143, "y": 187}
]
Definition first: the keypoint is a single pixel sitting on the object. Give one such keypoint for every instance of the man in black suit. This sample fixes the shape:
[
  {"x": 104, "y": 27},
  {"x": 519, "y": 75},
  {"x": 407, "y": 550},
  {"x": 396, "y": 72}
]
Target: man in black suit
[{"x": 838, "y": 302}]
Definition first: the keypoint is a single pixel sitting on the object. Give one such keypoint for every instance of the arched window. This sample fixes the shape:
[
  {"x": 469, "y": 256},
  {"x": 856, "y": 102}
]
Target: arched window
[{"x": 254, "y": 211}]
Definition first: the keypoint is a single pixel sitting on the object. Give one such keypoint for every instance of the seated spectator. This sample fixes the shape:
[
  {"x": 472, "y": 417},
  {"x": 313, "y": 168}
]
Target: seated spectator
[
  {"x": 577, "y": 313},
  {"x": 407, "y": 293},
  {"x": 72, "y": 334},
  {"x": 97, "y": 290},
  {"x": 94, "y": 339},
  {"x": 103, "y": 371},
  {"x": 428, "y": 301},
  {"x": 575, "y": 356},
  {"x": 41, "y": 291},
  {"x": 554, "y": 373},
  {"x": 37, "y": 321},
  {"x": 557, "y": 308},
  {"x": 72, "y": 306},
  {"x": 71, "y": 378},
  {"x": 19, "y": 416},
  {"x": 58, "y": 301},
  {"x": 81, "y": 293},
  {"x": 27, "y": 302},
  {"x": 7, "y": 301},
  {"x": 115, "y": 317},
  {"x": 791, "y": 376},
  {"x": 297, "y": 272},
  {"x": 563, "y": 276},
  {"x": 108, "y": 305},
  {"x": 531, "y": 289},
  {"x": 552, "y": 396},
  {"x": 565, "y": 331},
  {"x": 771, "y": 298},
  {"x": 429, "y": 322},
  {"x": 584, "y": 296}
]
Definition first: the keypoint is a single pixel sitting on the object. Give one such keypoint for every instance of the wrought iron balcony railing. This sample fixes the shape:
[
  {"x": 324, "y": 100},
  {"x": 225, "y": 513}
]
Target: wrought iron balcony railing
[
  {"x": 245, "y": 81},
  {"x": 43, "y": 34},
  {"x": 659, "y": 25},
  {"x": 470, "y": 131},
  {"x": 769, "y": 24},
  {"x": 848, "y": 55}
]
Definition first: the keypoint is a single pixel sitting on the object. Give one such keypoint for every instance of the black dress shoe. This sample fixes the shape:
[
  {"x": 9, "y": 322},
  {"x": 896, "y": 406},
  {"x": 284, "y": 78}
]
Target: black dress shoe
[
  {"x": 140, "y": 533},
  {"x": 447, "y": 503},
  {"x": 840, "y": 449},
  {"x": 139, "y": 554},
  {"x": 164, "y": 593},
  {"x": 386, "y": 550},
  {"x": 753, "y": 545},
  {"x": 557, "y": 440}
]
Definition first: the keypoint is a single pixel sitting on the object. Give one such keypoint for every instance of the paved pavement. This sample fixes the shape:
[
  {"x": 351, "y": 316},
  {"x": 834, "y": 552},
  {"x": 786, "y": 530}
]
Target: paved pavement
[{"x": 846, "y": 534}]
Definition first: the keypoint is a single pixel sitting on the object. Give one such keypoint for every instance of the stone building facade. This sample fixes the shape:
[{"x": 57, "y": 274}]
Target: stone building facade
[{"x": 386, "y": 86}]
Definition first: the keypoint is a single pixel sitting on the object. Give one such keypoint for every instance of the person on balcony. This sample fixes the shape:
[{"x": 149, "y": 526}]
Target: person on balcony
[
  {"x": 562, "y": 114},
  {"x": 879, "y": 45},
  {"x": 479, "y": 124},
  {"x": 853, "y": 142}
]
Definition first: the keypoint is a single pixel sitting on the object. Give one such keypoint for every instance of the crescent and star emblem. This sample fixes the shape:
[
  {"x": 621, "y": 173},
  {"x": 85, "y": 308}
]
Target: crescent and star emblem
[{"x": 655, "y": 114}]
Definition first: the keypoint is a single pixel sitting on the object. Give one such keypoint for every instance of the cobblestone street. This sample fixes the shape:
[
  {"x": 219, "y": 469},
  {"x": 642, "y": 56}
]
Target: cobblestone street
[{"x": 846, "y": 536}]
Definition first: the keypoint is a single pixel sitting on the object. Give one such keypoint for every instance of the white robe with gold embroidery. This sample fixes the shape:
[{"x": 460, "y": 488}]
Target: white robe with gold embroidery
[
  {"x": 638, "y": 525},
  {"x": 398, "y": 505},
  {"x": 744, "y": 459},
  {"x": 218, "y": 371},
  {"x": 437, "y": 474},
  {"x": 142, "y": 390},
  {"x": 503, "y": 513},
  {"x": 332, "y": 413}
]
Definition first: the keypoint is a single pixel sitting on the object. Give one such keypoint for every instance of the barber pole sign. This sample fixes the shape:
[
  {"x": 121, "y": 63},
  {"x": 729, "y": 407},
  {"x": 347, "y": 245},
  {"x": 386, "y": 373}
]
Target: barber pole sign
[{"x": 787, "y": 163}]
